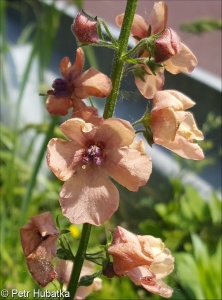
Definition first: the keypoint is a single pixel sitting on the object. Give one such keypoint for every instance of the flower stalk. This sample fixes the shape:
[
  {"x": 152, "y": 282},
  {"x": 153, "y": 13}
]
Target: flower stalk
[
  {"x": 79, "y": 259},
  {"x": 118, "y": 62}
]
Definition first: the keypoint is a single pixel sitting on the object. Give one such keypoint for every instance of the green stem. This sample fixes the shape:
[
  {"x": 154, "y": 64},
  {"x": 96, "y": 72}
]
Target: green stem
[
  {"x": 79, "y": 259},
  {"x": 146, "y": 41},
  {"x": 108, "y": 32},
  {"x": 27, "y": 196},
  {"x": 118, "y": 62}
]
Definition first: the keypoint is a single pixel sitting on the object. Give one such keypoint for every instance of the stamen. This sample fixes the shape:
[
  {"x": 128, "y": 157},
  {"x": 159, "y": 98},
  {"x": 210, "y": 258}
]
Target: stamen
[
  {"x": 60, "y": 87},
  {"x": 149, "y": 280},
  {"x": 93, "y": 154}
]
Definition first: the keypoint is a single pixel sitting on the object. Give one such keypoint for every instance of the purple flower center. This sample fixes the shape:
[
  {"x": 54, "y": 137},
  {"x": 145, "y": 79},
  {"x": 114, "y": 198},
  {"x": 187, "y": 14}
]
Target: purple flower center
[
  {"x": 93, "y": 154},
  {"x": 60, "y": 87}
]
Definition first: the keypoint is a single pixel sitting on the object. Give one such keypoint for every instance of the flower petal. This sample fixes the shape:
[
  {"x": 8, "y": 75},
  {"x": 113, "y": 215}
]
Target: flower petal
[
  {"x": 143, "y": 276},
  {"x": 129, "y": 167},
  {"x": 64, "y": 65},
  {"x": 172, "y": 98},
  {"x": 78, "y": 130},
  {"x": 83, "y": 291},
  {"x": 126, "y": 252},
  {"x": 58, "y": 106},
  {"x": 163, "y": 264},
  {"x": 158, "y": 17},
  {"x": 121, "y": 235},
  {"x": 63, "y": 157},
  {"x": 115, "y": 133},
  {"x": 38, "y": 239},
  {"x": 138, "y": 145},
  {"x": 40, "y": 262},
  {"x": 152, "y": 84},
  {"x": 76, "y": 69},
  {"x": 188, "y": 128},
  {"x": 150, "y": 245},
  {"x": 92, "y": 83},
  {"x": 164, "y": 124},
  {"x": 45, "y": 224},
  {"x": 182, "y": 147},
  {"x": 184, "y": 61},
  {"x": 89, "y": 197},
  {"x": 88, "y": 113},
  {"x": 139, "y": 27}
]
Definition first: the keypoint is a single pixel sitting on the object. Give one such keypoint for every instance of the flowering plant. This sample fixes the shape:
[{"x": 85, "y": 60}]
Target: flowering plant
[{"x": 99, "y": 149}]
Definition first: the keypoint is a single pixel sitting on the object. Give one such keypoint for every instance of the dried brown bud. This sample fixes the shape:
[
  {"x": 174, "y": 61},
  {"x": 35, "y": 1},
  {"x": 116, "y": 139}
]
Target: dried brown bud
[
  {"x": 85, "y": 29},
  {"x": 166, "y": 46}
]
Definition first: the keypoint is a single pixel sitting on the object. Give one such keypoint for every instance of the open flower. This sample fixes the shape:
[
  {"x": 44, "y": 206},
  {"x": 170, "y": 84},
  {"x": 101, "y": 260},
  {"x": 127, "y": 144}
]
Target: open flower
[
  {"x": 86, "y": 162},
  {"x": 64, "y": 270},
  {"x": 76, "y": 85},
  {"x": 143, "y": 258},
  {"x": 174, "y": 128},
  {"x": 38, "y": 239},
  {"x": 181, "y": 59}
]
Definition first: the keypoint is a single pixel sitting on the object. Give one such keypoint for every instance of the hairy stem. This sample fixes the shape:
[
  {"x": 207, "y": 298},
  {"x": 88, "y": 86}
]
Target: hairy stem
[
  {"x": 79, "y": 259},
  {"x": 118, "y": 62}
]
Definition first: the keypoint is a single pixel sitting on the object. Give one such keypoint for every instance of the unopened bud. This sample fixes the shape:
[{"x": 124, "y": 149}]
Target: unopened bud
[
  {"x": 85, "y": 29},
  {"x": 108, "y": 271},
  {"x": 166, "y": 46}
]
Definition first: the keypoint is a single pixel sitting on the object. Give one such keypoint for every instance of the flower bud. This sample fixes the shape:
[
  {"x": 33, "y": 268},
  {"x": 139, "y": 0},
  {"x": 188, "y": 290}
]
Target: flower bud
[
  {"x": 85, "y": 29},
  {"x": 166, "y": 46},
  {"x": 108, "y": 271}
]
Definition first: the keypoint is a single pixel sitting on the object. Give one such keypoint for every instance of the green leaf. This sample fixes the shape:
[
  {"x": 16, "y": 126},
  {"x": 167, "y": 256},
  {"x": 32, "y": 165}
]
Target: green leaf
[
  {"x": 197, "y": 205},
  {"x": 151, "y": 227},
  {"x": 215, "y": 206},
  {"x": 188, "y": 274},
  {"x": 202, "y": 25},
  {"x": 57, "y": 221},
  {"x": 173, "y": 238},
  {"x": 131, "y": 61},
  {"x": 161, "y": 209},
  {"x": 217, "y": 256},
  {"x": 65, "y": 254},
  {"x": 200, "y": 250},
  {"x": 200, "y": 272},
  {"x": 26, "y": 33},
  {"x": 64, "y": 231}
]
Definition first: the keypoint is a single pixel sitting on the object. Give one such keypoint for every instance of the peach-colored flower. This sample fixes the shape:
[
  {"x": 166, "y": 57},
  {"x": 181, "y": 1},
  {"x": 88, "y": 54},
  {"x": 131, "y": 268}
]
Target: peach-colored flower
[
  {"x": 181, "y": 60},
  {"x": 76, "y": 85},
  {"x": 85, "y": 29},
  {"x": 38, "y": 239},
  {"x": 143, "y": 258},
  {"x": 174, "y": 128},
  {"x": 64, "y": 269},
  {"x": 86, "y": 162}
]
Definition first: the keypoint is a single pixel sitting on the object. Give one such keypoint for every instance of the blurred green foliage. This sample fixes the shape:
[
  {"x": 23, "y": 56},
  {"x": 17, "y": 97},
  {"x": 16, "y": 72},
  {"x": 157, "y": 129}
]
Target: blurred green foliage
[{"x": 202, "y": 25}]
